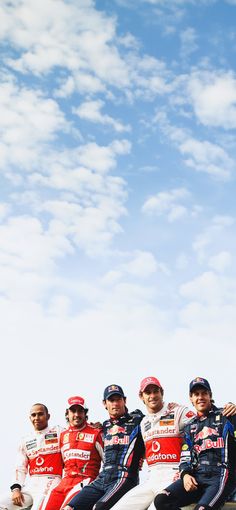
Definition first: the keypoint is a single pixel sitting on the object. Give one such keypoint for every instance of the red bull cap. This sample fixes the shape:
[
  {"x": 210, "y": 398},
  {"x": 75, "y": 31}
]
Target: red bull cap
[
  {"x": 149, "y": 380},
  {"x": 113, "y": 389},
  {"x": 76, "y": 401},
  {"x": 199, "y": 381}
]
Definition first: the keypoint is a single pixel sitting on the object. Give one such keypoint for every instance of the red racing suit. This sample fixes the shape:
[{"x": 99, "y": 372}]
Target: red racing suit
[
  {"x": 162, "y": 433},
  {"x": 82, "y": 452},
  {"x": 40, "y": 457}
]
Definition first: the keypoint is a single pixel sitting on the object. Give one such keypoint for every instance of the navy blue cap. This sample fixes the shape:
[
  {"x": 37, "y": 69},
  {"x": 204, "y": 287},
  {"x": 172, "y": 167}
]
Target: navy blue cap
[
  {"x": 199, "y": 381},
  {"x": 113, "y": 389}
]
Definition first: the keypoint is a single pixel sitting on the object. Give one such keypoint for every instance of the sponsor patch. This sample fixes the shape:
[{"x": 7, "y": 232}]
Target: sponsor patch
[
  {"x": 167, "y": 421},
  {"x": 87, "y": 438},
  {"x": 147, "y": 426},
  {"x": 190, "y": 414},
  {"x": 31, "y": 444},
  {"x": 77, "y": 454},
  {"x": 51, "y": 438},
  {"x": 66, "y": 438}
]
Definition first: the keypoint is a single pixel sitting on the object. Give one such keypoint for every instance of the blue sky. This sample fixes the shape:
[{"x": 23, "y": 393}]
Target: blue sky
[{"x": 117, "y": 199}]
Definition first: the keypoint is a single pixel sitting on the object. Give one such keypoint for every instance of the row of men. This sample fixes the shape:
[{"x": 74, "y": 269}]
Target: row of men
[{"x": 64, "y": 466}]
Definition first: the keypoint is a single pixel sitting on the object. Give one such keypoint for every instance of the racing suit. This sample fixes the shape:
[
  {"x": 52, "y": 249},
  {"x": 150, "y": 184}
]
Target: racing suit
[
  {"x": 39, "y": 456},
  {"x": 208, "y": 454},
  {"x": 163, "y": 437},
  {"x": 82, "y": 452},
  {"x": 123, "y": 451}
]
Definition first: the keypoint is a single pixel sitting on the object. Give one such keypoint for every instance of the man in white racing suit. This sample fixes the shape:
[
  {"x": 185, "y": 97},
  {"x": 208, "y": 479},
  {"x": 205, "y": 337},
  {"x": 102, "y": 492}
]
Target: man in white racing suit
[
  {"x": 162, "y": 430},
  {"x": 39, "y": 457}
]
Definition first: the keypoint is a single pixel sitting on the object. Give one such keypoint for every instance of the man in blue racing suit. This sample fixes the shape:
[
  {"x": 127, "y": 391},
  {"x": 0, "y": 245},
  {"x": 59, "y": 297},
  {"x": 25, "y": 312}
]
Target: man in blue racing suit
[
  {"x": 207, "y": 464},
  {"x": 123, "y": 453}
]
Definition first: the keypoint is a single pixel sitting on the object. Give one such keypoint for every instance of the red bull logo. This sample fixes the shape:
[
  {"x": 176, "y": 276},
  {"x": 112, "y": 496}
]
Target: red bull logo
[
  {"x": 207, "y": 444},
  {"x": 116, "y": 429},
  {"x": 205, "y": 433}
]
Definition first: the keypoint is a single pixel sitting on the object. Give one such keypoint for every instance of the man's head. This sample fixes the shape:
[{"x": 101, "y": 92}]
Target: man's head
[
  {"x": 200, "y": 395},
  {"x": 39, "y": 416},
  {"x": 76, "y": 412},
  {"x": 114, "y": 401},
  {"x": 151, "y": 393}
]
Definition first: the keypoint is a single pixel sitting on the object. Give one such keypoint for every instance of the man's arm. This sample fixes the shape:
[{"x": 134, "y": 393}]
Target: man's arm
[
  {"x": 229, "y": 409},
  {"x": 22, "y": 462}
]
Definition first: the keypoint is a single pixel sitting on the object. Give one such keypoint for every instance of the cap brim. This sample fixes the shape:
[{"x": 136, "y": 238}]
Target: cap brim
[
  {"x": 115, "y": 393},
  {"x": 201, "y": 385}
]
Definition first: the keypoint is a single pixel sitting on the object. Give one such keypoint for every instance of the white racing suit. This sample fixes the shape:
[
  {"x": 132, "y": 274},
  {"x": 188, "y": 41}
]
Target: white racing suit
[
  {"x": 39, "y": 457},
  {"x": 162, "y": 435}
]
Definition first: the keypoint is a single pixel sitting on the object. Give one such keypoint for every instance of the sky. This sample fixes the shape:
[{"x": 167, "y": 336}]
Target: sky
[{"x": 117, "y": 202}]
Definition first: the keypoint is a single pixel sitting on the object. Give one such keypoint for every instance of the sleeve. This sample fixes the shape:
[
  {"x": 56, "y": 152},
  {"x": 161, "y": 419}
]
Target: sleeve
[
  {"x": 185, "y": 414},
  {"x": 21, "y": 469},
  {"x": 137, "y": 413},
  {"x": 185, "y": 466},
  {"x": 100, "y": 444}
]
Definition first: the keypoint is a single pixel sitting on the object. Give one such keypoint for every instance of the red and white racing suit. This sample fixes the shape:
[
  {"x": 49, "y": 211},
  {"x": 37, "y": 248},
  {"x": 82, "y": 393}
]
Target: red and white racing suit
[
  {"x": 39, "y": 456},
  {"x": 162, "y": 435},
  {"x": 82, "y": 452}
]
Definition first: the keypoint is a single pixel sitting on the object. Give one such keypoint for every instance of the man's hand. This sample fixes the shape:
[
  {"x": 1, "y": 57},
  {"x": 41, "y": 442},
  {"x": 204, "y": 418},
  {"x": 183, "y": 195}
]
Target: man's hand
[
  {"x": 96, "y": 425},
  {"x": 190, "y": 483},
  {"x": 229, "y": 409},
  {"x": 172, "y": 405},
  {"x": 17, "y": 497}
]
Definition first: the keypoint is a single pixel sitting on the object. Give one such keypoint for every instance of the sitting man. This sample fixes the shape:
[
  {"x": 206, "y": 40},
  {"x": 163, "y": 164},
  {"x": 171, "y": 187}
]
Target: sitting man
[
  {"x": 207, "y": 466},
  {"x": 123, "y": 451},
  {"x": 82, "y": 451},
  {"x": 162, "y": 431},
  {"x": 39, "y": 457}
]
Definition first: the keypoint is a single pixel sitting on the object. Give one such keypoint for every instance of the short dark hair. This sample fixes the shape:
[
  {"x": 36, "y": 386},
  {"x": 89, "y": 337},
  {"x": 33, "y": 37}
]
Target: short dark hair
[
  {"x": 43, "y": 405},
  {"x": 67, "y": 412}
]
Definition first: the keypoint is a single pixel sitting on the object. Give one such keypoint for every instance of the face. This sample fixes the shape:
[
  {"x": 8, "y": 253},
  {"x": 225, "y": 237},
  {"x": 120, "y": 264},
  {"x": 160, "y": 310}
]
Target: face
[
  {"x": 201, "y": 400},
  {"x": 39, "y": 417},
  {"x": 115, "y": 406},
  {"x": 152, "y": 397},
  {"x": 76, "y": 416}
]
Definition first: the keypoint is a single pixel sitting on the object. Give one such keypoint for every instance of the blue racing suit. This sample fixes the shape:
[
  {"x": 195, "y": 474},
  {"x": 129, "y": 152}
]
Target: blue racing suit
[
  {"x": 209, "y": 455},
  {"x": 123, "y": 453}
]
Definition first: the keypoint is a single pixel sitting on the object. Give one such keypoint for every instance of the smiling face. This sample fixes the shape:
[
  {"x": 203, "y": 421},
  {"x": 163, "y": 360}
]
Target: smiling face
[
  {"x": 76, "y": 416},
  {"x": 152, "y": 397},
  {"x": 39, "y": 417},
  {"x": 201, "y": 400},
  {"x": 115, "y": 406}
]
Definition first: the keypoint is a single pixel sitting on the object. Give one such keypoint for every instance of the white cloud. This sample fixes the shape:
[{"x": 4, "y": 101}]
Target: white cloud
[
  {"x": 167, "y": 203},
  {"x": 202, "y": 156},
  {"x": 221, "y": 261},
  {"x": 207, "y": 157},
  {"x": 188, "y": 39},
  {"x": 75, "y": 36},
  {"x": 91, "y": 110},
  {"x": 4, "y": 210},
  {"x": 216, "y": 229},
  {"x": 214, "y": 98},
  {"x": 207, "y": 288},
  {"x": 143, "y": 265},
  {"x": 28, "y": 123},
  {"x": 26, "y": 246},
  {"x": 82, "y": 40}
]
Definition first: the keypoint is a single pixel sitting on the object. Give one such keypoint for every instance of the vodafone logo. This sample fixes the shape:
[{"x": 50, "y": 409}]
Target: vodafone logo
[
  {"x": 39, "y": 461},
  {"x": 156, "y": 446}
]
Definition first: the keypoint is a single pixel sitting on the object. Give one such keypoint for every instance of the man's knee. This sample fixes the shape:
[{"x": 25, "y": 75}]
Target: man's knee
[
  {"x": 202, "y": 507},
  {"x": 99, "y": 506},
  {"x": 161, "y": 501}
]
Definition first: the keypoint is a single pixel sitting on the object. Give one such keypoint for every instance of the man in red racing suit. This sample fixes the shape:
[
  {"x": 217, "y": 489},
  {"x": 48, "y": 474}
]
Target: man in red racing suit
[
  {"x": 82, "y": 451},
  {"x": 39, "y": 457}
]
